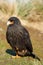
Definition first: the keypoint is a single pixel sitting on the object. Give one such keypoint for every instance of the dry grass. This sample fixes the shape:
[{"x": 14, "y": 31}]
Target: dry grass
[{"x": 33, "y": 12}]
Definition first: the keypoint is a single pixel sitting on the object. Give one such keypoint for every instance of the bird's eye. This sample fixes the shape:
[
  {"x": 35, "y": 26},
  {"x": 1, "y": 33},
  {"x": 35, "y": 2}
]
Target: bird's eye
[{"x": 11, "y": 20}]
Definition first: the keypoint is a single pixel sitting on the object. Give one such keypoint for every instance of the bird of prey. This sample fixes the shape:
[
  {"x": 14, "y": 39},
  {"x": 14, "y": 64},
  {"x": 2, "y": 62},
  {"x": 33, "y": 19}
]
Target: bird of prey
[{"x": 18, "y": 38}]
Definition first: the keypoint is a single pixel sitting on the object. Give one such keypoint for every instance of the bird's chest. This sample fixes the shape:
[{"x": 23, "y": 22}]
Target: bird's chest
[{"x": 15, "y": 36}]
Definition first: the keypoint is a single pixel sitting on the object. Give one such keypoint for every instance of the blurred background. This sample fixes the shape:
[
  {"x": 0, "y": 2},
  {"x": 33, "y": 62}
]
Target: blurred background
[
  {"x": 30, "y": 13},
  {"x": 31, "y": 10}
]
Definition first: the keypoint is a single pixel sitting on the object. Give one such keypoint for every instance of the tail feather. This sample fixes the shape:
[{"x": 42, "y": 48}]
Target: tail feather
[{"x": 34, "y": 56}]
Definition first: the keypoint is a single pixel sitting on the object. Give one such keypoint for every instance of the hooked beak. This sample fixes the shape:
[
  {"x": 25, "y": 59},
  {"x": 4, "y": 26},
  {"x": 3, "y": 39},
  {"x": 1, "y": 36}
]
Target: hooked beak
[{"x": 8, "y": 23}]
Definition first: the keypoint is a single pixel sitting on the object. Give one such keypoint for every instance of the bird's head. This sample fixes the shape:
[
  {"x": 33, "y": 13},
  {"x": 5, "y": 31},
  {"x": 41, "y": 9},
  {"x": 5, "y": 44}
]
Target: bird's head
[{"x": 13, "y": 20}]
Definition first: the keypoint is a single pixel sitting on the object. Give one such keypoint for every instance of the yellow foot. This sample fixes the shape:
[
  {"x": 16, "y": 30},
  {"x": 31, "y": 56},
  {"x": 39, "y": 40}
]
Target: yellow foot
[{"x": 16, "y": 56}]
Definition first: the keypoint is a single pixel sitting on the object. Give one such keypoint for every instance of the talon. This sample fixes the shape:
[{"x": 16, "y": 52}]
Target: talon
[
  {"x": 13, "y": 57},
  {"x": 16, "y": 56}
]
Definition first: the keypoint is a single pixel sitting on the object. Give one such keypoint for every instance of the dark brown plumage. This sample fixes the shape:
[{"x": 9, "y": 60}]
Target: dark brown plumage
[{"x": 18, "y": 38}]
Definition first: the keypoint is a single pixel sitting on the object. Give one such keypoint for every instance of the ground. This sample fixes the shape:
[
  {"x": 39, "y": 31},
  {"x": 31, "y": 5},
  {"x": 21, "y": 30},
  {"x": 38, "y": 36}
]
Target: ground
[{"x": 6, "y": 57}]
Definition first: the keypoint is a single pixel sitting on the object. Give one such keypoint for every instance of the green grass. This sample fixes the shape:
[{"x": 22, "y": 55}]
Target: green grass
[{"x": 23, "y": 10}]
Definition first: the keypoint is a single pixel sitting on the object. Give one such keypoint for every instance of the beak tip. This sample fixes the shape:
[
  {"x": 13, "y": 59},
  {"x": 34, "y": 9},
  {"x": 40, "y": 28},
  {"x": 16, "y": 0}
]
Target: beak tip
[{"x": 8, "y": 23}]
